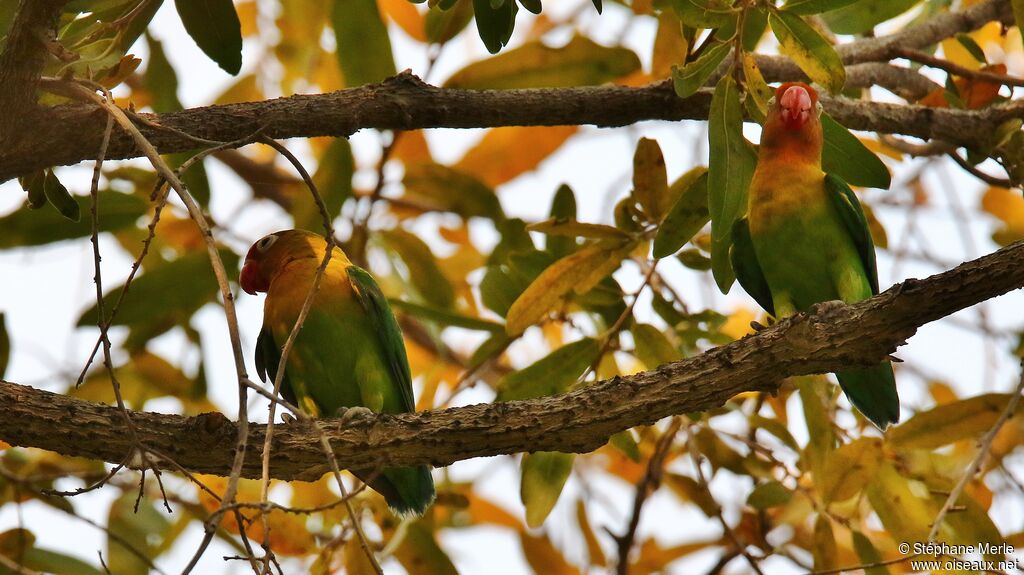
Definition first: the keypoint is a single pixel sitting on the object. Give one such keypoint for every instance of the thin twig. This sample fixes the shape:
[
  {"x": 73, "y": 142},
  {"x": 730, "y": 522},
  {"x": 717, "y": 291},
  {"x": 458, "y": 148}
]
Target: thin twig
[
  {"x": 974, "y": 171},
  {"x": 984, "y": 446},
  {"x": 955, "y": 69},
  {"x": 647, "y": 484}
]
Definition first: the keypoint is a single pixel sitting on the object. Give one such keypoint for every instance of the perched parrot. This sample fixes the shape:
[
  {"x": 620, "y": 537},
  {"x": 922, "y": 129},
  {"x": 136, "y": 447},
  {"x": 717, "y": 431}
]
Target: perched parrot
[
  {"x": 805, "y": 239},
  {"x": 349, "y": 352}
]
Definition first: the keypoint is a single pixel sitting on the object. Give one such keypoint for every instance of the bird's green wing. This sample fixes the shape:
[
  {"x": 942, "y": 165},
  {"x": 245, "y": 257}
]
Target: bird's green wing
[
  {"x": 850, "y": 211},
  {"x": 268, "y": 358},
  {"x": 388, "y": 333},
  {"x": 748, "y": 269}
]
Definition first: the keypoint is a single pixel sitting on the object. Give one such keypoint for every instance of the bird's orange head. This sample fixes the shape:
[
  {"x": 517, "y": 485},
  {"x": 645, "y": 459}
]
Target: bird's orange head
[
  {"x": 271, "y": 253},
  {"x": 792, "y": 131}
]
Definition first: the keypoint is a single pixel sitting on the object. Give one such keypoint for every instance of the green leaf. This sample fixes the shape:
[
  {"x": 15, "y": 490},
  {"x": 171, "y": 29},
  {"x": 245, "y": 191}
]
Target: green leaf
[
  {"x": 626, "y": 443},
  {"x": 445, "y": 317},
  {"x": 160, "y": 78},
  {"x": 731, "y": 166},
  {"x": 863, "y": 15},
  {"x": 867, "y": 554},
  {"x": 441, "y": 25},
  {"x": 563, "y": 207},
  {"x": 214, "y": 26},
  {"x": 687, "y": 216},
  {"x": 651, "y": 346},
  {"x": 972, "y": 47},
  {"x": 29, "y": 228},
  {"x": 5, "y": 345},
  {"x": 815, "y": 56},
  {"x": 844, "y": 155},
  {"x": 422, "y": 270},
  {"x": 44, "y": 561},
  {"x": 364, "y": 49},
  {"x": 60, "y": 197},
  {"x": 533, "y": 6},
  {"x": 692, "y": 77},
  {"x": 768, "y": 495},
  {"x": 1018, "y": 13},
  {"x": 450, "y": 190},
  {"x": 495, "y": 24},
  {"x": 581, "y": 62},
  {"x": 33, "y": 184},
  {"x": 811, "y": 7},
  {"x": 141, "y": 530},
  {"x": 903, "y": 514},
  {"x": 554, "y": 373},
  {"x": 824, "y": 549},
  {"x": 704, "y": 13},
  {"x": 544, "y": 474},
  {"x": 158, "y": 297}
]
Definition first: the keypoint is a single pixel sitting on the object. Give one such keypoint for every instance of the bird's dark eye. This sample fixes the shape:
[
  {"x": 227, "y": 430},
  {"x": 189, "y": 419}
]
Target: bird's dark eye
[{"x": 265, "y": 243}]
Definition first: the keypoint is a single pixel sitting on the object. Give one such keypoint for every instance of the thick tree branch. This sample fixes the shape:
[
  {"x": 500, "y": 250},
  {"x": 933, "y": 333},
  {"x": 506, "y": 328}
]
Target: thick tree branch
[
  {"x": 32, "y": 31},
  {"x": 581, "y": 421},
  {"x": 70, "y": 134}
]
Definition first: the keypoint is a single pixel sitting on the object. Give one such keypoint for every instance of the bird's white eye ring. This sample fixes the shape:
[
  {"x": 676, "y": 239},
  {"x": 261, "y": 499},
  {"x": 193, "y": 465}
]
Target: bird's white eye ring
[
  {"x": 265, "y": 243},
  {"x": 771, "y": 102},
  {"x": 818, "y": 108}
]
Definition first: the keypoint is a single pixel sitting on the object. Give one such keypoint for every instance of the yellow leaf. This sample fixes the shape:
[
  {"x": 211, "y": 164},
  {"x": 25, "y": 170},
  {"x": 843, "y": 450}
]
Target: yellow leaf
[
  {"x": 405, "y": 14},
  {"x": 848, "y": 469},
  {"x": 1008, "y": 206},
  {"x": 579, "y": 272},
  {"x": 543, "y": 557},
  {"x": 356, "y": 561},
  {"x": 814, "y": 55},
  {"x": 689, "y": 489},
  {"x": 505, "y": 153},
  {"x": 905, "y": 515},
  {"x": 420, "y": 554},
  {"x": 594, "y": 550},
  {"x": 245, "y": 89},
  {"x": 669, "y": 45},
  {"x": 575, "y": 229},
  {"x": 650, "y": 182},
  {"x": 654, "y": 558},
  {"x": 738, "y": 324},
  {"x": 544, "y": 474},
  {"x": 964, "y": 419},
  {"x": 248, "y": 16},
  {"x": 581, "y": 62},
  {"x": 411, "y": 147}
]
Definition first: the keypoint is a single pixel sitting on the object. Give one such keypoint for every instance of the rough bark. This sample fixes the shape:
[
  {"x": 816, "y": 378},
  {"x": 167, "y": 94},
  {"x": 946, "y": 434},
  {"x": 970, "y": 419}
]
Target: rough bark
[
  {"x": 70, "y": 134},
  {"x": 22, "y": 62},
  {"x": 832, "y": 337}
]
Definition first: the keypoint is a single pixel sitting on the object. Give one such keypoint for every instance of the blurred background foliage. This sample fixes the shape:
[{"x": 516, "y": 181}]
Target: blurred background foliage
[{"x": 505, "y": 307}]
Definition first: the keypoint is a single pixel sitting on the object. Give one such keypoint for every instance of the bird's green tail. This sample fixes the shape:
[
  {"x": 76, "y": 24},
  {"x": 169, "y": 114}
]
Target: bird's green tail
[
  {"x": 408, "y": 490},
  {"x": 873, "y": 392}
]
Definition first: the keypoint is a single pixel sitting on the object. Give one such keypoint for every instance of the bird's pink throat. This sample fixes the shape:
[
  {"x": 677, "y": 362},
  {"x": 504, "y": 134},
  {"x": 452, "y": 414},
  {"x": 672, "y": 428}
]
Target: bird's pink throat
[{"x": 251, "y": 280}]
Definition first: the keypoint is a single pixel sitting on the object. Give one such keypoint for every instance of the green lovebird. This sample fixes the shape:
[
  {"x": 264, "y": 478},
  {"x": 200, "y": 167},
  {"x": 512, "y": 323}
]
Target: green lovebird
[
  {"x": 349, "y": 352},
  {"x": 805, "y": 239}
]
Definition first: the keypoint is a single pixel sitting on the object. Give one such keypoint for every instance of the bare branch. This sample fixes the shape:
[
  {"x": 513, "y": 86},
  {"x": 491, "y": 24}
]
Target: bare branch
[{"x": 579, "y": 421}]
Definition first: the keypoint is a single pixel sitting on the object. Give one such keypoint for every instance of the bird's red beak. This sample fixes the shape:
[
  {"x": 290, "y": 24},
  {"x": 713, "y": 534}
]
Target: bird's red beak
[
  {"x": 251, "y": 279},
  {"x": 796, "y": 106}
]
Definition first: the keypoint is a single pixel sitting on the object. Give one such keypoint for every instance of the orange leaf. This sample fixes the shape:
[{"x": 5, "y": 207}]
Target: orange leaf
[
  {"x": 543, "y": 557},
  {"x": 505, "y": 153},
  {"x": 974, "y": 93},
  {"x": 411, "y": 147},
  {"x": 405, "y": 14},
  {"x": 1008, "y": 206}
]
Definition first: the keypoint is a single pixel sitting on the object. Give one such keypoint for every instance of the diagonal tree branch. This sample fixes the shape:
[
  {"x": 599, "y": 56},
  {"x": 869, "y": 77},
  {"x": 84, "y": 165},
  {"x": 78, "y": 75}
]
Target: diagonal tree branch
[{"x": 832, "y": 337}]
